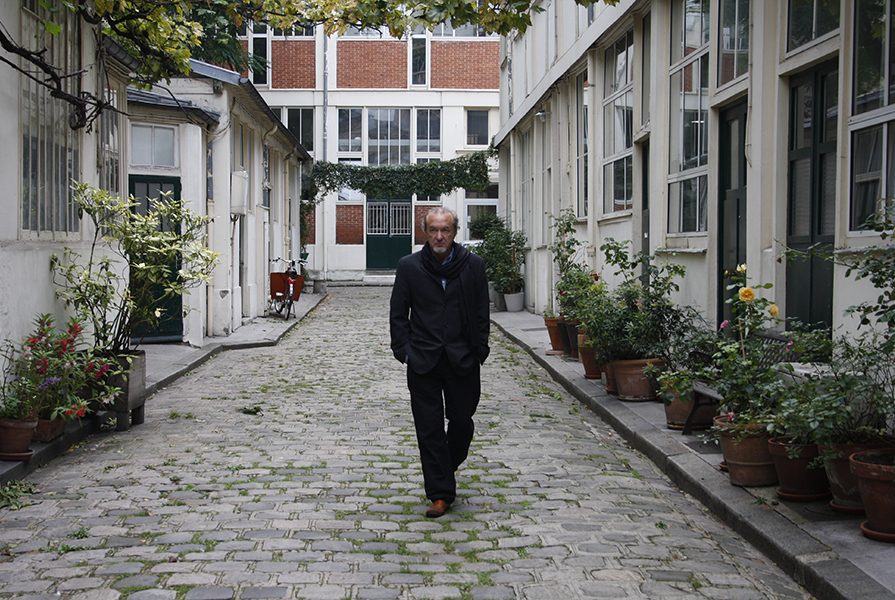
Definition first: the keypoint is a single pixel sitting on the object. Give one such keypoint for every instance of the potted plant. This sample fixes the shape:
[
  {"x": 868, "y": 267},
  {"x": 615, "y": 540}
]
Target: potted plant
[
  {"x": 690, "y": 351},
  {"x": 551, "y": 322},
  {"x": 643, "y": 322},
  {"x": 47, "y": 382},
  {"x": 134, "y": 262},
  {"x": 588, "y": 302},
  {"x": 493, "y": 252},
  {"x": 572, "y": 286},
  {"x": 565, "y": 248},
  {"x": 507, "y": 265}
]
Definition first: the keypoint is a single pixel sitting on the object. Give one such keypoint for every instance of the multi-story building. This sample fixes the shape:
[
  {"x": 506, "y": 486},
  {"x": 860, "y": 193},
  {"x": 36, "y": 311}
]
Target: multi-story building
[
  {"x": 713, "y": 133},
  {"x": 368, "y": 99}
]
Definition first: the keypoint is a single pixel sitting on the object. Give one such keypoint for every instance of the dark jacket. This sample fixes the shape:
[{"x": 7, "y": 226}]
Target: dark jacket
[{"x": 426, "y": 320}]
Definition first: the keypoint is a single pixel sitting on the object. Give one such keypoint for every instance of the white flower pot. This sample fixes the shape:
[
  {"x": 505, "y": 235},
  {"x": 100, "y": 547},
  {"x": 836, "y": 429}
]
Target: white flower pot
[{"x": 515, "y": 302}]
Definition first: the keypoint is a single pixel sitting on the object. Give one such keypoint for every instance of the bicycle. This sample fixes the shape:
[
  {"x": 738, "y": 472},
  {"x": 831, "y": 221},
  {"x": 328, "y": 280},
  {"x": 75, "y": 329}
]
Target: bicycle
[{"x": 285, "y": 288}]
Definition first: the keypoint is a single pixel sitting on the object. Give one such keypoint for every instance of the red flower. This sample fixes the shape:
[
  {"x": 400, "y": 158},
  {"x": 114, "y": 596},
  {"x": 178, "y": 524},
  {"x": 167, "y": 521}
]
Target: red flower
[
  {"x": 33, "y": 340},
  {"x": 69, "y": 412},
  {"x": 82, "y": 410},
  {"x": 75, "y": 329},
  {"x": 42, "y": 364}
]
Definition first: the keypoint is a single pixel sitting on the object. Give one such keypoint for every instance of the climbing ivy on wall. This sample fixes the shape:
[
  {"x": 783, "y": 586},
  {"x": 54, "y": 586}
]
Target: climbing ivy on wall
[{"x": 400, "y": 181}]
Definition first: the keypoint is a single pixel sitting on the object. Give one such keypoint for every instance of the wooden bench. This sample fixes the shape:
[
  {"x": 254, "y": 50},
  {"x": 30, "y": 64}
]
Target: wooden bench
[{"x": 774, "y": 349}]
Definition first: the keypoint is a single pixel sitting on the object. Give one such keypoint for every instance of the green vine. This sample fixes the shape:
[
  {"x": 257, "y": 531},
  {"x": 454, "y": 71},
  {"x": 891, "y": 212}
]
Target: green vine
[{"x": 401, "y": 181}]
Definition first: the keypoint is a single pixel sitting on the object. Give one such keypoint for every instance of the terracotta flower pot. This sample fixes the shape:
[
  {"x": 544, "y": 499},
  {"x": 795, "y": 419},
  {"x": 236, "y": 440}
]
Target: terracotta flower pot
[
  {"x": 15, "y": 437},
  {"x": 875, "y": 470},
  {"x": 564, "y": 337},
  {"x": 611, "y": 387},
  {"x": 799, "y": 482},
  {"x": 552, "y": 324},
  {"x": 633, "y": 385},
  {"x": 588, "y": 357},
  {"x": 677, "y": 411},
  {"x": 745, "y": 450},
  {"x": 48, "y": 430},
  {"x": 844, "y": 485},
  {"x": 572, "y": 332}
]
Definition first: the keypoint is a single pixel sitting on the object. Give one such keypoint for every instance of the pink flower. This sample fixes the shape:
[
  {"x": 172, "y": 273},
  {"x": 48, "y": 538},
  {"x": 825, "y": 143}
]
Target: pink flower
[
  {"x": 789, "y": 345},
  {"x": 724, "y": 325}
]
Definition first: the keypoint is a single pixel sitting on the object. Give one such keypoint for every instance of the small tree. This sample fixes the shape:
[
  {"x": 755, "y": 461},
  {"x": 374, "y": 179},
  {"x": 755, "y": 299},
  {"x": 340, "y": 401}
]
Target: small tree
[{"x": 135, "y": 262}]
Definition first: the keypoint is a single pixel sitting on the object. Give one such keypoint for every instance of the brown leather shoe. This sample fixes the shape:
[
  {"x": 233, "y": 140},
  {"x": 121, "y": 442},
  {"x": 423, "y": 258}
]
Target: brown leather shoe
[{"x": 437, "y": 509}]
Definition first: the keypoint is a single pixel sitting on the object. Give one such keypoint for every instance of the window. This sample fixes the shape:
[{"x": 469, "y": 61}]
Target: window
[
  {"x": 108, "y": 141},
  {"x": 618, "y": 125},
  {"x": 733, "y": 40},
  {"x": 468, "y": 30},
  {"x": 476, "y": 127},
  {"x": 300, "y": 122},
  {"x": 526, "y": 180},
  {"x": 259, "y": 48},
  {"x": 810, "y": 19},
  {"x": 427, "y": 198},
  {"x": 874, "y": 55},
  {"x": 153, "y": 146},
  {"x": 419, "y": 60},
  {"x": 51, "y": 156},
  {"x": 480, "y": 203},
  {"x": 349, "y": 194},
  {"x": 350, "y": 125},
  {"x": 295, "y": 31},
  {"x": 367, "y": 32},
  {"x": 265, "y": 171},
  {"x": 688, "y": 117},
  {"x": 581, "y": 143},
  {"x": 388, "y": 135},
  {"x": 646, "y": 75},
  {"x": 428, "y": 130}
]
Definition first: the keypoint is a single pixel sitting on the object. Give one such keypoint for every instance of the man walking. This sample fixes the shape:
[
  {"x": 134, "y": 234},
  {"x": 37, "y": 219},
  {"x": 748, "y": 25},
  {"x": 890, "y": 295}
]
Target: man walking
[{"x": 439, "y": 322}]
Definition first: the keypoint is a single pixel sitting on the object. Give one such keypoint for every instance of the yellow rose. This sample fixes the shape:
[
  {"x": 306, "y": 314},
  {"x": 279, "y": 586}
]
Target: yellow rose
[
  {"x": 774, "y": 310},
  {"x": 741, "y": 268},
  {"x": 746, "y": 294}
]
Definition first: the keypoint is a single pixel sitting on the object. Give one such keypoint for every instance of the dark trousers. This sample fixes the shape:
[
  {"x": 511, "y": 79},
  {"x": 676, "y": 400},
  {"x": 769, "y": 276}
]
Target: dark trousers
[{"x": 443, "y": 392}]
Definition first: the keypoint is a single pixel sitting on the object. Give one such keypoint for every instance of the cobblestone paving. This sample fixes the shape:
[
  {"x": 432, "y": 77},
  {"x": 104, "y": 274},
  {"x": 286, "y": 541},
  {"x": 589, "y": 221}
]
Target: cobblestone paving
[{"x": 320, "y": 495}]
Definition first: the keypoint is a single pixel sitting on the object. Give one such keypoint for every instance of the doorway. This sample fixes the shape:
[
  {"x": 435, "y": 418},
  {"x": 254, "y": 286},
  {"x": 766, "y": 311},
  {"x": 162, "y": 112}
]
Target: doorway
[
  {"x": 389, "y": 230},
  {"x": 731, "y": 201}
]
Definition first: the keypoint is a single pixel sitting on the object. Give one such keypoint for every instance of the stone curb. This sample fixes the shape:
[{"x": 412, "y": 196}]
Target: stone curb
[
  {"x": 78, "y": 431},
  {"x": 811, "y": 563}
]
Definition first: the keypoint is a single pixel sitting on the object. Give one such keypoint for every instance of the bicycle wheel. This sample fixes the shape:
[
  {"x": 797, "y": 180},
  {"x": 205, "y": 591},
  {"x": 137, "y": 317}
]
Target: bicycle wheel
[
  {"x": 277, "y": 304},
  {"x": 287, "y": 305}
]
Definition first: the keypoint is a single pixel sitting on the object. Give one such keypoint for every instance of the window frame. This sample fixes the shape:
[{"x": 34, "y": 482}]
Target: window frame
[
  {"x": 697, "y": 59},
  {"x": 582, "y": 145},
  {"x": 379, "y": 145},
  {"x": 301, "y": 133},
  {"x": 350, "y": 151},
  {"x": 487, "y": 112},
  {"x": 490, "y": 200},
  {"x": 251, "y": 36},
  {"x": 736, "y": 50},
  {"x": 815, "y": 37},
  {"x": 427, "y": 54},
  {"x": 429, "y": 151},
  {"x": 132, "y": 155},
  {"x": 624, "y": 156}
]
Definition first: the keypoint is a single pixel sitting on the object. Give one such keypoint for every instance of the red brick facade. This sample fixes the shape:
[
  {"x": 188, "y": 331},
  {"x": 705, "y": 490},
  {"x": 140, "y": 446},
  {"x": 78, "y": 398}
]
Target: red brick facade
[
  {"x": 372, "y": 64},
  {"x": 292, "y": 64},
  {"x": 311, "y": 224},
  {"x": 350, "y": 224},
  {"x": 466, "y": 65}
]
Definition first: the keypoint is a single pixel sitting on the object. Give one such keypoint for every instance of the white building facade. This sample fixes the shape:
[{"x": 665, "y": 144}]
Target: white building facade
[
  {"x": 368, "y": 99},
  {"x": 712, "y": 133}
]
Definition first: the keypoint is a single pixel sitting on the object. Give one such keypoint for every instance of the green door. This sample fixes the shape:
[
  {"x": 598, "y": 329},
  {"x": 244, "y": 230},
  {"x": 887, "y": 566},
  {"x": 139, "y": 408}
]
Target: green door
[
  {"x": 731, "y": 202},
  {"x": 389, "y": 230},
  {"x": 170, "y": 326}
]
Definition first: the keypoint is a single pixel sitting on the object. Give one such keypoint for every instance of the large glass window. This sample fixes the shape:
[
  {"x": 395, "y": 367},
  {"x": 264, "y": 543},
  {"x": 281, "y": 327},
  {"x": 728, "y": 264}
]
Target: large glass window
[
  {"x": 581, "y": 144},
  {"x": 477, "y": 127},
  {"x": 873, "y": 173},
  {"x": 51, "y": 156},
  {"x": 350, "y": 125},
  {"x": 388, "y": 133},
  {"x": 646, "y": 76},
  {"x": 874, "y": 55},
  {"x": 259, "y": 46},
  {"x": 480, "y": 203},
  {"x": 153, "y": 146},
  {"x": 300, "y": 122},
  {"x": 733, "y": 57},
  {"x": 688, "y": 117},
  {"x": 618, "y": 124},
  {"x": 810, "y": 19},
  {"x": 428, "y": 130}
]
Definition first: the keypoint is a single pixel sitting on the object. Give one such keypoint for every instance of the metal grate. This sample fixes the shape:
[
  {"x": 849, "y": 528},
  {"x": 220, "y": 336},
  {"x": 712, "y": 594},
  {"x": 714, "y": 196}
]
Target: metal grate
[
  {"x": 402, "y": 221},
  {"x": 377, "y": 218}
]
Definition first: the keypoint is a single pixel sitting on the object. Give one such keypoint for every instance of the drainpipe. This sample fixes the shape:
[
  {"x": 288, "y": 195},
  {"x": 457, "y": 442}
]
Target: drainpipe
[{"x": 323, "y": 240}]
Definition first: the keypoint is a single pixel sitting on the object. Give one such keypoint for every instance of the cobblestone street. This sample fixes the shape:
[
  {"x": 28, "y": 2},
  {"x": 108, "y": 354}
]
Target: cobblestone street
[{"x": 319, "y": 494}]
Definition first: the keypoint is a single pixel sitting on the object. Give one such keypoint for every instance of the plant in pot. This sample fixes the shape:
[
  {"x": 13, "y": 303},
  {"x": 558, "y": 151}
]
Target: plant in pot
[
  {"x": 588, "y": 306},
  {"x": 749, "y": 387},
  {"x": 508, "y": 279},
  {"x": 551, "y": 322},
  {"x": 565, "y": 248},
  {"x": 690, "y": 351},
  {"x": 645, "y": 319},
  {"x": 571, "y": 288},
  {"x": 492, "y": 249},
  {"x": 46, "y": 383},
  {"x": 135, "y": 262}
]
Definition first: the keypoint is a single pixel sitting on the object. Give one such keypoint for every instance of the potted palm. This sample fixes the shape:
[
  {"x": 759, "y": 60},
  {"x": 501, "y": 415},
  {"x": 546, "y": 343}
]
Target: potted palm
[{"x": 134, "y": 263}]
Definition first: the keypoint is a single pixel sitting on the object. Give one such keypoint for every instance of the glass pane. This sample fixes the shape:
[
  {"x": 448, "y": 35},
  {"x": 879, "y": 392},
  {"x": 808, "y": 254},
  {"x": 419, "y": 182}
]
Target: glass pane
[
  {"x": 477, "y": 211},
  {"x": 735, "y": 151},
  {"x": 800, "y": 197},
  {"x": 802, "y": 116},
  {"x": 609, "y": 129},
  {"x": 827, "y": 223},
  {"x": 675, "y": 122},
  {"x": 695, "y": 31},
  {"x": 827, "y": 16},
  {"x": 890, "y": 160},
  {"x": 434, "y": 131},
  {"x": 344, "y": 129},
  {"x": 677, "y": 36},
  {"x": 702, "y": 203},
  {"x": 870, "y": 39},
  {"x": 703, "y": 124},
  {"x": 418, "y": 61},
  {"x": 307, "y": 129},
  {"x": 629, "y": 57},
  {"x": 608, "y": 187},
  {"x": 728, "y": 41},
  {"x": 141, "y": 145},
  {"x": 619, "y": 189},
  {"x": 692, "y": 112},
  {"x": 647, "y": 76},
  {"x": 801, "y": 22},
  {"x": 866, "y": 173},
  {"x": 629, "y": 180},
  {"x": 742, "y": 47},
  {"x": 689, "y": 204},
  {"x": 674, "y": 208},
  {"x": 477, "y": 127},
  {"x": 163, "y": 147},
  {"x": 259, "y": 49},
  {"x": 831, "y": 107}
]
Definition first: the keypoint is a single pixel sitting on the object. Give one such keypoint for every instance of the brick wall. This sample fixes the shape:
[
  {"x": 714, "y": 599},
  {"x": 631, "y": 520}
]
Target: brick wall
[
  {"x": 312, "y": 227},
  {"x": 466, "y": 65},
  {"x": 419, "y": 211},
  {"x": 292, "y": 64},
  {"x": 350, "y": 224},
  {"x": 372, "y": 64}
]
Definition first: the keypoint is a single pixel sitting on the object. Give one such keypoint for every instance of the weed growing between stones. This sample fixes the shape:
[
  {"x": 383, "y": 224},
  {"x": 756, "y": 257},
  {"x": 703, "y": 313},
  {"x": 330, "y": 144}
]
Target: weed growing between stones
[{"x": 12, "y": 494}]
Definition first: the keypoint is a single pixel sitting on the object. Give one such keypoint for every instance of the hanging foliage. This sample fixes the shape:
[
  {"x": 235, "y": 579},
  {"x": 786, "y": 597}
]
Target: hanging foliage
[{"x": 401, "y": 181}]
